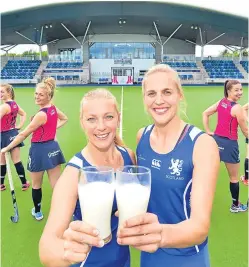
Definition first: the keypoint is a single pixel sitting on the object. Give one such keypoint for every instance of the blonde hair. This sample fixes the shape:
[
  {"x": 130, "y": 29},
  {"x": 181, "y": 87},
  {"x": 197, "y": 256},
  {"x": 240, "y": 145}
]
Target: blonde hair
[
  {"x": 10, "y": 90},
  {"x": 105, "y": 94},
  {"x": 49, "y": 84},
  {"x": 167, "y": 70}
]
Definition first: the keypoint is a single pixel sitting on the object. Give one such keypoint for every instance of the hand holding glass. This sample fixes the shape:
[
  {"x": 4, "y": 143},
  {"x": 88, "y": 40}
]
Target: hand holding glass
[
  {"x": 96, "y": 194},
  {"x": 133, "y": 185}
]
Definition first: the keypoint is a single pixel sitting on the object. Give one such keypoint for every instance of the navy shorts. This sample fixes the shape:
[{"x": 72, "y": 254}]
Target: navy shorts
[
  {"x": 8, "y": 136},
  {"x": 162, "y": 259},
  {"x": 229, "y": 149},
  {"x": 44, "y": 156}
]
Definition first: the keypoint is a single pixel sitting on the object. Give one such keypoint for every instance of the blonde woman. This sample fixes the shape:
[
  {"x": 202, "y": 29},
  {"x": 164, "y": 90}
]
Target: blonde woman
[
  {"x": 64, "y": 243},
  {"x": 184, "y": 164}
]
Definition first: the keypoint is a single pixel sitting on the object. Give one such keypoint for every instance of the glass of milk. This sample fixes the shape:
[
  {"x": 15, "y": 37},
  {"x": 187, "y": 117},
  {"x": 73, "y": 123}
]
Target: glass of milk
[
  {"x": 96, "y": 194},
  {"x": 133, "y": 185}
]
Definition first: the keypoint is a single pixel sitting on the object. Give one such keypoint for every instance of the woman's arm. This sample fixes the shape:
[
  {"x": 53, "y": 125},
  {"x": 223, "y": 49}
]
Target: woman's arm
[
  {"x": 205, "y": 117},
  {"x": 63, "y": 243},
  {"x": 194, "y": 230},
  {"x": 239, "y": 113},
  {"x": 62, "y": 118},
  {"x": 39, "y": 119},
  {"x": 4, "y": 109},
  {"x": 145, "y": 233},
  {"x": 22, "y": 114}
]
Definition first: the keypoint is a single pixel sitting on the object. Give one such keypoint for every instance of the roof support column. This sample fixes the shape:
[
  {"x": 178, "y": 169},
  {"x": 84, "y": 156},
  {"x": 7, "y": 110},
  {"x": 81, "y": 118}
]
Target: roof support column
[
  {"x": 83, "y": 42},
  {"x": 7, "y": 48},
  {"x": 215, "y": 38},
  {"x": 40, "y": 43},
  {"x": 241, "y": 48},
  {"x": 160, "y": 41},
  {"x": 202, "y": 44}
]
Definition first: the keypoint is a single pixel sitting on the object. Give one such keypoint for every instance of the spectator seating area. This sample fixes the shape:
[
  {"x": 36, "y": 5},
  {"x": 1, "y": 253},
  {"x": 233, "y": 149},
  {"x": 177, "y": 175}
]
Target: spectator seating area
[
  {"x": 64, "y": 65},
  {"x": 222, "y": 69},
  {"x": 180, "y": 64},
  {"x": 20, "y": 69},
  {"x": 244, "y": 65},
  {"x": 186, "y": 77},
  {"x": 65, "y": 77},
  {"x": 64, "y": 71},
  {"x": 103, "y": 80}
]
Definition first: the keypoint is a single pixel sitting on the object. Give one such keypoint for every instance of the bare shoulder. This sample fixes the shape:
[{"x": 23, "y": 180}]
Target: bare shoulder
[
  {"x": 205, "y": 146},
  {"x": 139, "y": 134},
  {"x": 132, "y": 155}
]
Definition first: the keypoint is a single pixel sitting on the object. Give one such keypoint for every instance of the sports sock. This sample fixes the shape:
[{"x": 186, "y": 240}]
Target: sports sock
[
  {"x": 21, "y": 172},
  {"x": 234, "y": 189},
  {"x": 37, "y": 197}
]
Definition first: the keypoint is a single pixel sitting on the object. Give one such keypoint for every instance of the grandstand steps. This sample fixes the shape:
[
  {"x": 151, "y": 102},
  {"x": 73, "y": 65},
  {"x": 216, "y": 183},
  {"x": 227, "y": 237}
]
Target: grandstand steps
[
  {"x": 241, "y": 69},
  {"x": 40, "y": 69},
  {"x": 203, "y": 70},
  {"x": 4, "y": 61}
]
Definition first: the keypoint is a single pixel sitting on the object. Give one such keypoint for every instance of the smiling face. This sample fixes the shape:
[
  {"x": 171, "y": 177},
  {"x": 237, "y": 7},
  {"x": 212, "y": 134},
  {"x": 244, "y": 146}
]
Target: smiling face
[
  {"x": 235, "y": 92},
  {"x": 100, "y": 120},
  {"x": 5, "y": 95},
  {"x": 41, "y": 96},
  {"x": 161, "y": 97}
]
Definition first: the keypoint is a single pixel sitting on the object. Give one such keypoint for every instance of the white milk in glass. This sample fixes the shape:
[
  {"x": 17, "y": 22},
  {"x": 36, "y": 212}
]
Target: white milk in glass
[
  {"x": 96, "y": 200},
  {"x": 132, "y": 200}
]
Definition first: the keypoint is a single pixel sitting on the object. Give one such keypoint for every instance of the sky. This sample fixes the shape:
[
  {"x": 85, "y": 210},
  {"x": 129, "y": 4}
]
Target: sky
[{"x": 225, "y": 6}]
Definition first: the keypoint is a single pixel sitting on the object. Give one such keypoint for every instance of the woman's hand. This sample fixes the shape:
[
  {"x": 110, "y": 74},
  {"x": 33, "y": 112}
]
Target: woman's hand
[
  {"x": 4, "y": 150},
  {"x": 143, "y": 232},
  {"x": 78, "y": 240}
]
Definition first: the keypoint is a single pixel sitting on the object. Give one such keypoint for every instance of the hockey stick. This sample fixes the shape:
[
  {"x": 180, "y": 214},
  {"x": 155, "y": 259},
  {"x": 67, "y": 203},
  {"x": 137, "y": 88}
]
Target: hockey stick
[{"x": 14, "y": 218}]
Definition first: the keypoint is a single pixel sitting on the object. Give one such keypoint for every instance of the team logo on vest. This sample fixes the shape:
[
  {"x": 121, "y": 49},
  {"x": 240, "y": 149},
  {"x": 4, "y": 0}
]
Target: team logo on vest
[
  {"x": 224, "y": 105},
  {"x": 141, "y": 157},
  {"x": 176, "y": 166},
  {"x": 156, "y": 163},
  {"x": 52, "y": 112},
  {"x": 54, "y": 153}
]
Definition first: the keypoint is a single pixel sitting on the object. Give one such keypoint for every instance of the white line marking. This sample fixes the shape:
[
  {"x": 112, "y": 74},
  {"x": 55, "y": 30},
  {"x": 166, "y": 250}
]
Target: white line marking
[{"x": 121, "y": 114}]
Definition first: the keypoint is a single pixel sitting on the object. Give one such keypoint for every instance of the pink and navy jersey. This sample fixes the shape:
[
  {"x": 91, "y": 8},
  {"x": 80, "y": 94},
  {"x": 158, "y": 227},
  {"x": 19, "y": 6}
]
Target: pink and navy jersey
[
  {"x": 47, "y": 131},
  {"x": 227, "y": 125},
  {"x": 8, "y": 121}
]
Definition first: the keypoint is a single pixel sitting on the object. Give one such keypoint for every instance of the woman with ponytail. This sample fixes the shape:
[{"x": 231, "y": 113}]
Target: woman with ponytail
[
  {"x": 64, "y": 243},
  {"x": 45, "y": 153},
  {"x": 230, "y": 116},
  {"x": 8, "y": 112}
]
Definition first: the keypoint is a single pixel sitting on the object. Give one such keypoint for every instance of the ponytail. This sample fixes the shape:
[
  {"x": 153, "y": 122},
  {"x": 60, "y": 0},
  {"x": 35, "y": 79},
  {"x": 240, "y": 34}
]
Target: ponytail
[{"x": 225, "y": 88}]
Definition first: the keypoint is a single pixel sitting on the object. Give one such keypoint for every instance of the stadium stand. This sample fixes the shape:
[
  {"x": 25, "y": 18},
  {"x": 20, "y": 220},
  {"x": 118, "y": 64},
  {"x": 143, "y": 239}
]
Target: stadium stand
[
  {"x": 245, "y": 65},
  {"x": 222, "y": 69},
  {"x": 20, "y": 69}
]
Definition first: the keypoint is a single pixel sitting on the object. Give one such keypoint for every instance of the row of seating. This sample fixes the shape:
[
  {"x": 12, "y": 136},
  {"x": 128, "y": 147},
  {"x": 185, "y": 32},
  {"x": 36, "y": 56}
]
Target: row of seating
[
  {"x": 66, "y": 65},
  {"x": 65, "y": 77},
  {"x": 222, "y": 69},
  {"x": 181, "y": 64},
  {"x": 20, "y": 69},
  {"x": 190, "y": 70},
  {"x": 186, "y": 77},
  {"x": 58, "y": 71}
]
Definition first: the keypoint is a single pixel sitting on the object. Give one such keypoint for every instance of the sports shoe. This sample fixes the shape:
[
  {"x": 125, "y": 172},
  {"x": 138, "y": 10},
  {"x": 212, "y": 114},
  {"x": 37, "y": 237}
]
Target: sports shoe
[
  {"x": 243, "y": 180},
  {"x": 2, "y": 187},
  {"x": 240, "y": 208},
  {"x": 38, "y": 215},
  {"x": 25, "y": 186}
]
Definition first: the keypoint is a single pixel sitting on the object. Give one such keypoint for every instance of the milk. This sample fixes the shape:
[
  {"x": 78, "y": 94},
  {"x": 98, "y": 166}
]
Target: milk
[
  {"x": 132, "y": 200},
  {"x": 96, "y": 200}
]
